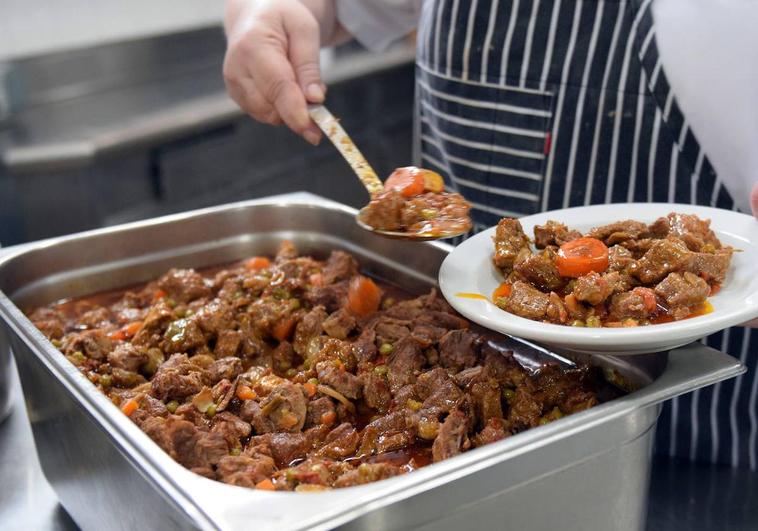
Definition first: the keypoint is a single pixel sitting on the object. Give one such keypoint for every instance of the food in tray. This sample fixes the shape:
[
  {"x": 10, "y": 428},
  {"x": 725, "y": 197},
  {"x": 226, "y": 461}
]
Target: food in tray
[
  {"x": 624, "y": 274},
  {"x": 414, "y": 201},
  {"x": 298, "y": 374}
]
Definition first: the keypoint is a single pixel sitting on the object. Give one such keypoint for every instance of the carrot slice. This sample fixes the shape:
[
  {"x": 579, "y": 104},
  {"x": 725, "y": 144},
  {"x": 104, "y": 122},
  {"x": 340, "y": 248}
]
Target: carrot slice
[
  {"x": 118, "y": 335},
  {"x": 132, "y": 328},
  {"x": 257, "y": 262},
  {"x": 409, "y": 181},
  {"x": 503, "y": 290},
  {"x": 130, "y": 407},
  {"x": 266, "y": 484},
  {"x": 310, "y": 389},
  {"x": 244, "y": 392},
  {"x": 363, "y": 296},
  {"x": 433, "y": 181},
  {"x": 283, "y": 329},
  {"x": 328, "y": 418},
  {"x": 582, "y": 256},
  {"x": 159, "y": 294}
]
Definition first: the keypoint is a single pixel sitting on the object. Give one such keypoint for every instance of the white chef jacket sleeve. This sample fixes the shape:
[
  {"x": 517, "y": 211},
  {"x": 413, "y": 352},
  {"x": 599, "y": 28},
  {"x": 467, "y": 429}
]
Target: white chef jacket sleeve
[
  {"x": 708, "y": 50},
  {"x": 378, "y": 23}
]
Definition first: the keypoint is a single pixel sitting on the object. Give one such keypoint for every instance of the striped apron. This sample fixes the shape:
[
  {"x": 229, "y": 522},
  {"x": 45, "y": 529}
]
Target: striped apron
[{"x": 534, "y": 105}]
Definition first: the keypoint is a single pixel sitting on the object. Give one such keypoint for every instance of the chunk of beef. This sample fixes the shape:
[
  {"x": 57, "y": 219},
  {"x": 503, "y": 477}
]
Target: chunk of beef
[
  {"x": 696, "y": 233},
  {"x": 510, "y": 243},
  {"x": 618, "y": 232},
  {"x": 192, "y": 447},
  {"x": 367, "y": 473},
  {"x": 592, "y": 288},
  {"x": 227, "y": 368},
  {"x": 228, "y": 343},
  {"x": 96, "y": 318},
  {"x": 341, "y": 442},
  {"x": 126, "y": 379},
  {"x": 387, "y": 433},
  {"x": 177, "y": 379},
  {"x": 682, "y": 293},
  {"x": 493, "y": 431},
  {"x": 556, "y": 309},
  {"x": 376, "y": 391},
  {"x": 452, "y": 438},
  {"x": 232, "y": 428},
  {"x": 486, "y": 398},
  {"x": 216, "y": 317},
  {"x": 525, "y": 301},
  {"x": 553, "y": 233},
  {"x": 364, "y": 348},
  {"x": 390, "y": 330},
  {"x": 710, "y": 266},
  {"x": 310, "y": 326},
  {"x": 183, "y": 335},
  {"x": 384, "y": 211},
  {"x": 663, "y": 257},
  {"x": 636, "y": 304},
  {"x": 283, "y": 410},
  {"x": 157, "y": 319},
  {"x": 404, "y": 363},
  {"x": 427, "y": 334},
  {"x": 438, "y": 390},
  {"x": 245, "y": 471},
  {"x": 184, "y": 285},
  {"x": 285, "y": 447},
  {"x": 524, "y": 411},
  {"x": 317, "y": 409},
  {"x": 457, "y": 349},
  {"x": 339, "y": 266},
  {"x": 94, "y": 344},
  {"x": 346, "y": 383},
  {"x": 619, "y": 258},
  {"x": 540, "y": 270},
  {"x": 441, "y": 319},
  {"x": 339, "y": 324},
  {"x": 50, "y": 322},
  {"x": 128, "y": 357}
]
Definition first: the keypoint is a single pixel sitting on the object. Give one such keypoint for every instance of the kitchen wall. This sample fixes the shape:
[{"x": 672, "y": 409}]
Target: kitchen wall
[{"x": 29, "y": 27}]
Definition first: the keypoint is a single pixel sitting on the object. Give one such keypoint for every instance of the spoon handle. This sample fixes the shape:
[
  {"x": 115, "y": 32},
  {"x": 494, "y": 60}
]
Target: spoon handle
[{"x": 344, "y": 144}]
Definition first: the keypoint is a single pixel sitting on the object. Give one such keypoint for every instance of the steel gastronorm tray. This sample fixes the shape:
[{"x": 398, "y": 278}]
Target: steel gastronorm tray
[{"x": 585, "y": 471}]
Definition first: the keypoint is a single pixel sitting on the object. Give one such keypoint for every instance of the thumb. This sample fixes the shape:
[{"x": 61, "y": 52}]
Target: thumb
[
  {"x": 304, "y": 42},
  {"x": 754, "y": 200}
]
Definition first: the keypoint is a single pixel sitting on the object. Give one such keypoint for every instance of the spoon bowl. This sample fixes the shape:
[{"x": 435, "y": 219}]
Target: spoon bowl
[{"x": 366, "y": 174}]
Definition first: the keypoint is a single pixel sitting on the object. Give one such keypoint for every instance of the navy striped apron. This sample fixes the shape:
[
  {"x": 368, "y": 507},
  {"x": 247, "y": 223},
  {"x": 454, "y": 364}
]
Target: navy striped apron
[{"x": 534, "y": 105}]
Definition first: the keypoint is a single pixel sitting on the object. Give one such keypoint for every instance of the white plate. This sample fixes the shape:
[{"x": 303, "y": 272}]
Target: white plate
[{"x": 469, "y": 269}]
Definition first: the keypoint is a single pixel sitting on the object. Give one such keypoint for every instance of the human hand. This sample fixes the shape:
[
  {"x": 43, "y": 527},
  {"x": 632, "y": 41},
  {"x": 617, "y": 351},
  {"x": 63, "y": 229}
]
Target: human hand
[{"x": 271, "y": 67}]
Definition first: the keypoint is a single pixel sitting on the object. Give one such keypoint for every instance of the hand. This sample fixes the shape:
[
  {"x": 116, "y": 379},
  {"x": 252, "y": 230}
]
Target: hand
[{"x": 271, "y": 68}]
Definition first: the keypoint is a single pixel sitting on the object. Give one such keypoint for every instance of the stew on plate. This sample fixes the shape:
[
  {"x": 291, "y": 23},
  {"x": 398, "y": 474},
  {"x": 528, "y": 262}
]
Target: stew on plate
[{"x": 624, "y": 274}]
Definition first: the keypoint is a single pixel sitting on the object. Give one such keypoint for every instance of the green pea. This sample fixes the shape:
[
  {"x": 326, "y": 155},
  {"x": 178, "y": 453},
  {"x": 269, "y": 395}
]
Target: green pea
[
  {"x": 577, "y": 322},
  {"x": 313, "y": 381},
  {"x": 56, "y": 343},
  {"x": 593, "y": 321},
  {"x": 211, "y": 411},
  {"x": 106, "y": 380},
  {"x": 235, "y": 451},
  {"x": 385, "y": 349},
  {"x": 381, "y": 370},
  {"x": 171, "y": 406},
  {"x": 509, "y": 394}
]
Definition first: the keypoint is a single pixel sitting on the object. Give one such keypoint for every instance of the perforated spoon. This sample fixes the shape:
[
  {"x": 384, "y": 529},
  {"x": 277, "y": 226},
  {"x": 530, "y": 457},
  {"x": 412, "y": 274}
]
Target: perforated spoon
[{"x": 365, "y": 173}]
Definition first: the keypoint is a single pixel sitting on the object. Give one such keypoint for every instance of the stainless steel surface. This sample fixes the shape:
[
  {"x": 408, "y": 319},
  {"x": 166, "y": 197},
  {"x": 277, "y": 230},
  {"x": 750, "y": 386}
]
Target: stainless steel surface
[
  {"x": 102, "y": 466},
  {"x": 347, "y": 148},
  {"x": 5, "y": 375}
]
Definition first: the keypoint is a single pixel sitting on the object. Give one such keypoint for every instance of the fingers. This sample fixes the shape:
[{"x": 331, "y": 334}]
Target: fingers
[
  {"x": 754, "y": 200},
  {"x": 304, "y": 56},
  {"x": 277, "y": 85}
]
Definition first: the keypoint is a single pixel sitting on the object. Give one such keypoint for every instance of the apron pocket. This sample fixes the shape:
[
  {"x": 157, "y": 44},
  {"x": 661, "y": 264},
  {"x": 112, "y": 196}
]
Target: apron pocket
[{"x": 489, "y": 141}]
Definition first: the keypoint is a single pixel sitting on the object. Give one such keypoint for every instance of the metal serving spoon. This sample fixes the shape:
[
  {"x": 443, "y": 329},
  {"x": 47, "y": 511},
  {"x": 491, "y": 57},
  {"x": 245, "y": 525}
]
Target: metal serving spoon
[{"x": 365, "y": 173}]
